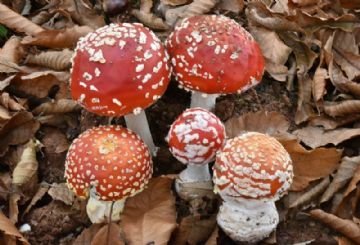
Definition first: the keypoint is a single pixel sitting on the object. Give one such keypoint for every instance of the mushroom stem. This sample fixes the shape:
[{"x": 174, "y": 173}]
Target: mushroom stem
[
  {"x": 247, "y": 220},
  {"x": 139, "y": 124},
  {"x": 195, "y": 173},
  {"x": 206, "y": 101},
  {"x": 99, "y": 211}
]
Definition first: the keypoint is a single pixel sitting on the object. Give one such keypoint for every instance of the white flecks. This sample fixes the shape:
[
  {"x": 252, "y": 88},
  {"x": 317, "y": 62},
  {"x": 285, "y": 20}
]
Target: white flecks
[
  {"x": 139, "y": 67},
  {"x": 197, "y": 36},
  {"x": 122, "y": 44},
  {"x": 116, "y": 101},
  {"x": 137, "y": 110},
  {"x": 87, "y": 76},
  {"x": 95, "y": 100},
  {"x": 93, "y": 88},
  {"x": 82, "y": 84},
  {"x": 142, "y": 38},
  {"x": 157, "y": 67},
  {"x": 146, "y": 78},
  {"x": 82, "y": 97},
  {"x": 97, "y": 72},
  {"x": 217, "y": 49},
  {"x": 98, "y": 57}
]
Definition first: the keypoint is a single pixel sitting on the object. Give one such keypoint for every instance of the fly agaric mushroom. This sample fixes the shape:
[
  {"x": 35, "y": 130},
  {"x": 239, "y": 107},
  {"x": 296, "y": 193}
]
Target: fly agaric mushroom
[
  {"x": 212, "y": 55},
  {"x": 107, "y": 164},
  {"x": 120, "y": 69},
  {"x": 194, "y": 138},
  {"x": 251, "y": 172}
]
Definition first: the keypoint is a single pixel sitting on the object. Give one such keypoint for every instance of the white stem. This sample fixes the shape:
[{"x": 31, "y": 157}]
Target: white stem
[
  {"x": 247, "y": 220},
  {"x": 195, "y": 173},
  {"x": 99, "y": 211},
  {"x": 139, "y": 124},
  {"x": 206, "y": 101}
]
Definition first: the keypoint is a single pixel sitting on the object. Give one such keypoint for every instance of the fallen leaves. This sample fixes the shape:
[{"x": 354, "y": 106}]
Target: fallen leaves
[{"x": 10, "y": 231}]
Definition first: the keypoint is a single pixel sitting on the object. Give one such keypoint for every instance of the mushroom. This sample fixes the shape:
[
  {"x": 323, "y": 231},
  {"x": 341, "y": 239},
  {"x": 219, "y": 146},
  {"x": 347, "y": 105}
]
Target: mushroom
[
  {"x": 107, "y": 164},
  {"x": 251, "y": 172},
  {"x": 194, "y": 138},
  {"x": 212, "y": 55},
  {"x": 121, "y": 69}
]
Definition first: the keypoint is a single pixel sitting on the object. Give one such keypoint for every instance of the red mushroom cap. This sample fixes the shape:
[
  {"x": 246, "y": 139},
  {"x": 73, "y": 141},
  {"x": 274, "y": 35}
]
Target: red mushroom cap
[
  {"x": 254, "y": 166},
  {"x": 119, "y": 69},
  {"x": 196, "y": 136},
  {"x": 214, "y": 54},
  {"x": 111, "y": 160}
]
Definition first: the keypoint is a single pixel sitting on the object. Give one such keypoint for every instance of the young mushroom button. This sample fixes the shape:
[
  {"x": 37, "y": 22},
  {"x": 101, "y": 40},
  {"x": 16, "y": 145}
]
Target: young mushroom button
[
  {"x": 251, "y": 172},
  {"x": 107, "y": 164},
  {"x": 118, "y": 70},
  {"x": 194, "y": 138},
  {"x": 211, "y": 55}
]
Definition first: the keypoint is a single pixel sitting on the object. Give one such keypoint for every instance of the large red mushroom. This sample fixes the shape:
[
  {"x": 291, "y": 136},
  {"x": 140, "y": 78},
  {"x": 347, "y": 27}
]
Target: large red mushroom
[
  {"x": 251, "y": 172},
  {"x": 118, "y": 70},
  {"x": 107, "y": 164},
  {"x": 212, "y": 55}
]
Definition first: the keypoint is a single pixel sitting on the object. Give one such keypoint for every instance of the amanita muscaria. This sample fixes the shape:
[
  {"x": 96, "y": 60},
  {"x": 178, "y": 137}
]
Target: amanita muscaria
[
  {"x": 212, "y": 55},
  {"x": 107, "y": 164},
  {"x": 251, "y": 172},
  {"x": 118, "y": 70},
  {"x": 194, "y": 138}
]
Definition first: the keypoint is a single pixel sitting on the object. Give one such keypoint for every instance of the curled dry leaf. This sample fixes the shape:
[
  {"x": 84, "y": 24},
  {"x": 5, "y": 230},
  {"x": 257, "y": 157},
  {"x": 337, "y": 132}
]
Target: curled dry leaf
[
  {"x": 65, "y": 38},
  {"x": 59, "y": 106},
  {"x": 353, "y": 183},
  {"x": 10, "y": 103},
  {"x": 87, "y": 235},
  {"x": 17, "y": 22},
  {"x": 41, "y": 191},
  {"x": 198, "y": 7},
  {"x": 319, "y": 84},
  {"x": 61, "y": 193},
  {"x": 150, "y": 20},
  {"x": 317, "y": 136},
  {"x": 351, "y": 87},
  {"x": 272, "y": 123},
  {"x": 13, "y": 206},
  {"x": 335, "y": 109},
  {"x": 108, "y": 234},
  {"x": 346, "y": 227},
  {"x": 331, "y": 123},
  {"x": 321, "y": 161},
  {"x": 146, "y": 5},
  {"x": 57, "y": 120},
  {"x": 12, "y": 50},
  {"x": 235, "y": 6},
  {"x": 26, "y": 169},
  {"x": 344, "y": 174},
  {"x": 174, "y": 2},
  {"x": 8, "y": 66},
  {"x": 344, "y": 241},
  {"x": 5, "y": 184},
  {"x": 150, "y": 216},
  {"x": 311, "y": 194},
  {"x": 54, "y": 140},
  {"x": 348, "y": 61},
  {"x": 9, "y": 229},
  {"x": 57, "y": 60},
  {"x": 18, "y": 130}
]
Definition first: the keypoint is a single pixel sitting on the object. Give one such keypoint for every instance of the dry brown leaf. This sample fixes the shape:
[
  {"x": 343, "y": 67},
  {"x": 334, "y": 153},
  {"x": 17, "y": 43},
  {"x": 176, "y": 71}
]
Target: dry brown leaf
[
  {"x": 344, "y": 241},
  {"x": 319, "y": 84},
  {"x": 317, "y": 136},
  {"x": 17, "y": 22},
  {"x": 344, "y": 174},
  {"x": 6, "y": 82},
  {"x": 198, "y": 7},
  {"x": 150, "y": 20},
  {"x": 106, "y": 236},
  {"x": 311, "y": 194},
  {"x": 18, "y": 130},
  {"x": 4, "y": 114},
  {"x": 173, "y": 14},
  {"x": 146, "y": 5},
  {"x": 235, "y": 6},
  {"x": 174, "y": 2},
  {"x": 213, "y": 237},
  {"x": 150, "y": 216},
  {"x": 346, "y": 227},
  {"x": 12, "y": 50},
  {"x": 26, "y": 169},
  {"x": 13, "y": 207},
  {"x": 272, "y": 123},
  {"x": 278, "y": 72},
  {"x": 5, "y": 184},
  {"x": 59, "y": 106},
  {"x": 87, "y": 235},
  {"x": 354, "y": 181},
  {"x": 57, "y": 60},
  {"x": 331, "y": 123},
  {"x": 193, "y": 230},
  {"x": 351, "y": 4},
  {"x": 61, "y": 193},
  {"x": 351, "y": 87},
  {"x": 10, "y": 103},
  {"x": 54, "y": 140},
  {"x": 41, "y": 191},
  {"x": 62, "y": 76},
  {"x": 57, "y": 120},
  {"x": 321, "y": 161},
  {"x": 345, "y": 41},
  {"x": 42, "y": 17},
  {"x": 65, "y": 38},
  {"x": 342, "y": 108},
  {"x": 348, "y": 61},
  {"x": 10, "y": 230},
  {"x": 7, "y": 66}
]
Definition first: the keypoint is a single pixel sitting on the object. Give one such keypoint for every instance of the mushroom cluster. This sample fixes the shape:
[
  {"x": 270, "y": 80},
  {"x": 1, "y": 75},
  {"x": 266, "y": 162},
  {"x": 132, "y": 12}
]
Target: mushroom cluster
[
  {"x": 251, "y": 172},
  {"x": 194, "y": 138},
  {"x": 107, "y": 164},
  {"x": 118, "y": 70},
  {"x": 212, "y": 55}
]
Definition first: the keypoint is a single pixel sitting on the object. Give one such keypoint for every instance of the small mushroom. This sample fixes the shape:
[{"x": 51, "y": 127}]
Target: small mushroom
[
  {"x": 120, "y": 69},
  {"x": 194, "y": 138},
  {"x": 251, "y": 172},
  {"x": 212, "y": 55},
  {"x": 107, "y": 164}
]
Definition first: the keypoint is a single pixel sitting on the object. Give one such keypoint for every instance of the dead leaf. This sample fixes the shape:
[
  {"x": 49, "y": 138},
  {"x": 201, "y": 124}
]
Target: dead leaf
[
  {"x": 319, "y": 84},
  {"x": 61, "y": 193},
  {"x": 353, "y": 183},
  {"x": 348, "y": 61},
  {"x": 235, "y": 6},
  {"x": 7, "y": 66},
  {"x": 41, "y": 191},
  {"x": 344, "y": 241},
  {"x": 174, "y": 2},
  {"x": 150, "y": 216},
  {"x": 57, "y": 60},
  {"x": 59, "y": 106},
  {"x": 18, "y": 130},
  {"x": 213, "y": 237},
  {"x": 150, "y": 20},
  {"x": 331, "y": 123},
  {"x": 57, "y": 120},
  {"x": 54, "y": 140},
  {"x": 344, "y": 174},
  {"x": 65, "y": 38},
  {"x": 5, "y": 184},
  {"x": 272, "y": 123},
  {"x": 346, "y": 227},
  {"x": 13, "y": 207},
  {"x": 198, "y": 7},
  {"x": 317, "y": 136},
  {"x": 12, "y": 50},
  {"x": 26, "y": 169},
  {"x": 10, "y": 230},
  {"x": 342, "y": 108},
  {"x": 87, "y": 235},
  {"x": 106, "y": 236},
  {"x": 10, "y": 103},
  {"x": 193, "y": 230},
  {"x": 351, "y": 4},
  {"x": 321, "y": 161},
  {"x": 17, "y": 22},
  {"x": 311, "y": 194}
]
